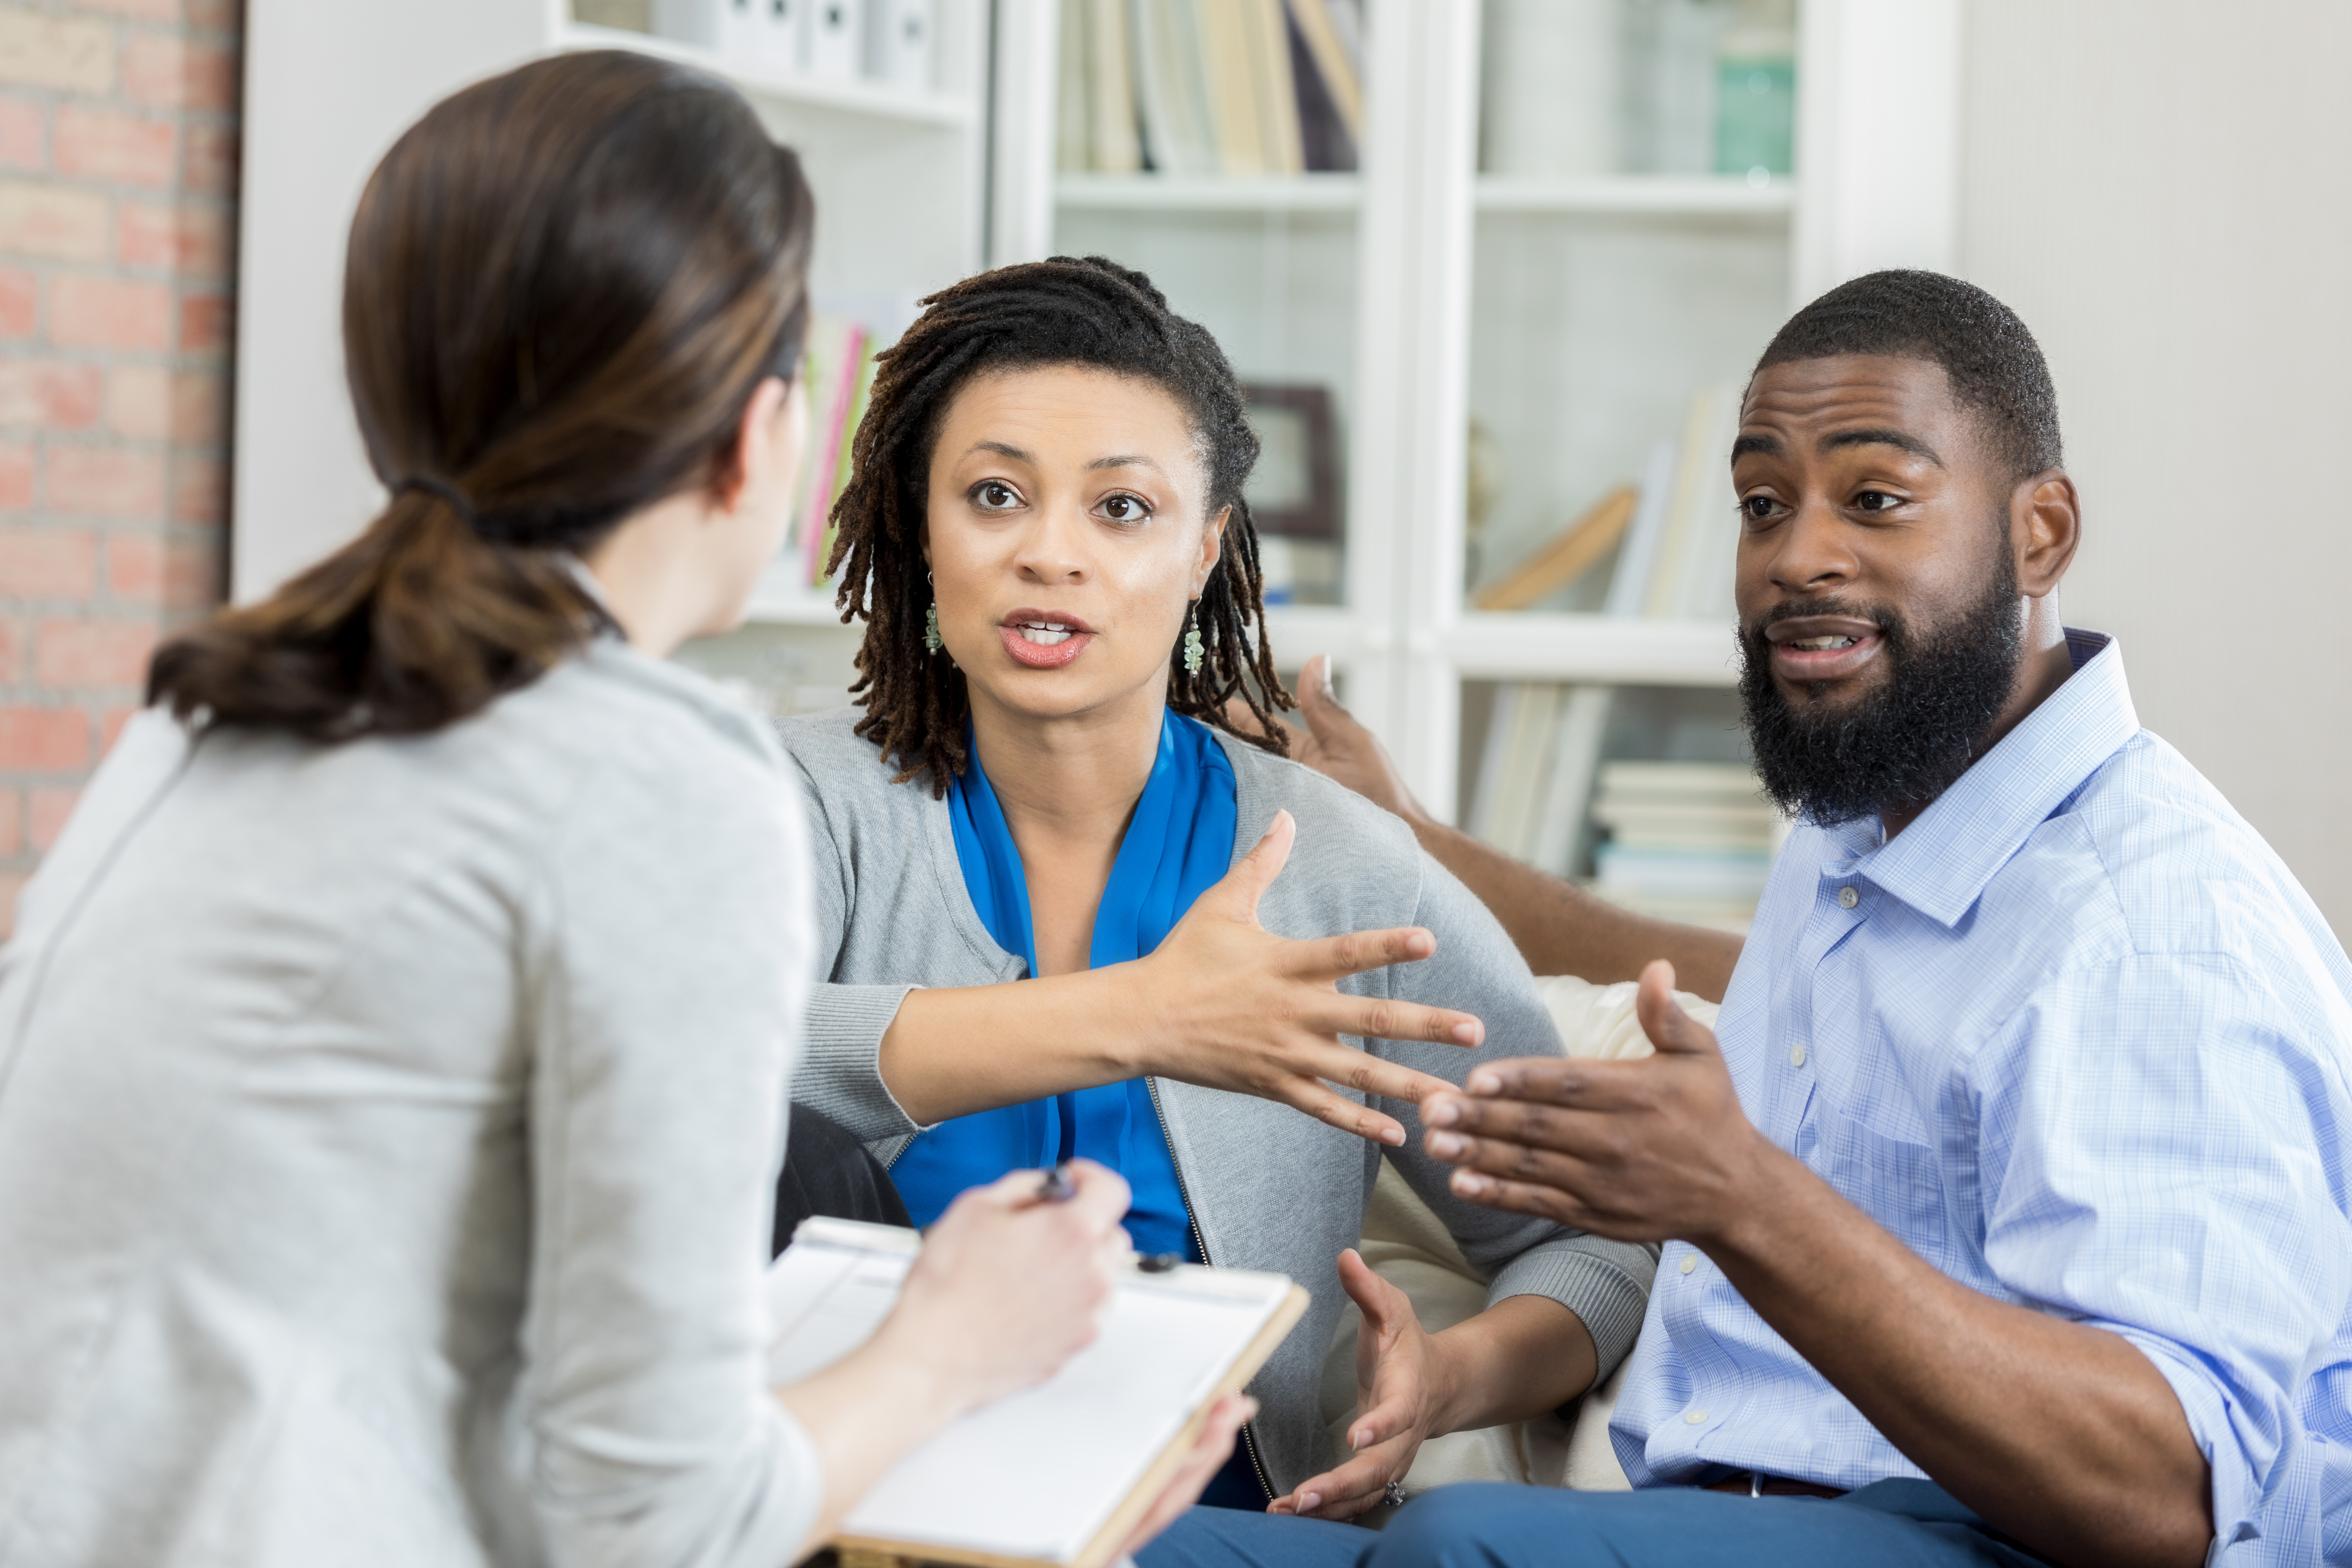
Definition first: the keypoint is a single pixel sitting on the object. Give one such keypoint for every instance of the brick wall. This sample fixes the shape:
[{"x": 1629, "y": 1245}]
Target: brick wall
[{"x": 118, "y": 170}]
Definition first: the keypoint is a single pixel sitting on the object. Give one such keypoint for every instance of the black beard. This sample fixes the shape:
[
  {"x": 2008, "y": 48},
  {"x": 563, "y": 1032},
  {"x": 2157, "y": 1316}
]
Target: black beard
[{"x": 1904, "y": 743}]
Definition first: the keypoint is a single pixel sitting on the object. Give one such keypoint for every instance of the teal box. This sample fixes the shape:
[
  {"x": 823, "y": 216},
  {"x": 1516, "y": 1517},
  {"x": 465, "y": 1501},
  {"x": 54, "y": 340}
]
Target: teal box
[{"x": 1755, "y": 114}]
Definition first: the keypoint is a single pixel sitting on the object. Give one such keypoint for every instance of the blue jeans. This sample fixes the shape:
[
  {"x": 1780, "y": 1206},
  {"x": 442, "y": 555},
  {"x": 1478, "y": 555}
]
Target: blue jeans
[{"x": 1893, "y": 1524}]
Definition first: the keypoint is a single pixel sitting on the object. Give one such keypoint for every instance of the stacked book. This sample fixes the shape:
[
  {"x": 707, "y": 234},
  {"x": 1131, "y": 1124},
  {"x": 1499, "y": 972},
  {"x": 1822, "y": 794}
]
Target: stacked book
[
  {"x": 1229, "y": 87},
  {"x": 1687, "y": 841}
]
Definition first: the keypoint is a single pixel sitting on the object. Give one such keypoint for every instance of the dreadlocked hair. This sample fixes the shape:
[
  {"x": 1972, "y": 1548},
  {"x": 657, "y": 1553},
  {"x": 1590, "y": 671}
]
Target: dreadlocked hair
[{"x": 1065, "y": 311}]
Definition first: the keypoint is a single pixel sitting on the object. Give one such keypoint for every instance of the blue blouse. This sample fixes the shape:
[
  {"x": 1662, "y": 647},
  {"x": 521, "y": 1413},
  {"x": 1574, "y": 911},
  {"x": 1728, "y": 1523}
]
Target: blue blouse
[{"x": 1179, "y": 844}]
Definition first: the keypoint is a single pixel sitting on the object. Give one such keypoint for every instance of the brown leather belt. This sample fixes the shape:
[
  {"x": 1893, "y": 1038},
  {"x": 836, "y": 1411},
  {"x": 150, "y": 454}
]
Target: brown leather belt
[{"x": 1749, "y": 1483}]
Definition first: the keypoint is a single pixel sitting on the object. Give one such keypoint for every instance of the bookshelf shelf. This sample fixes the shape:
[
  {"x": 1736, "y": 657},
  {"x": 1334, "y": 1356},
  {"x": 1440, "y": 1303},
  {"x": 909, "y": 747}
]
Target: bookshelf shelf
[
  {"x": 1637, "y": 196},
  {"x": 1616, "y": 650},
  {"x": 1163, "y": 192},
  {"x": 856, "y": 96},
  {"x": 781, "y": 600}
]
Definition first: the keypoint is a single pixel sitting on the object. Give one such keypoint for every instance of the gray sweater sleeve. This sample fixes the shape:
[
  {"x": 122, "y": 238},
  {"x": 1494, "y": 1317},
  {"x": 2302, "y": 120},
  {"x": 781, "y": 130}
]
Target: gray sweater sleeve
[
  {"x": 1477, "y": 970},
  {"x": 841, "y": 1070}
]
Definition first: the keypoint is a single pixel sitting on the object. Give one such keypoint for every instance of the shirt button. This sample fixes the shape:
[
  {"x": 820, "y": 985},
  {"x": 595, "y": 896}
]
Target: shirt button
[
  {"x": 1797, "y": 1055},
  {"x": 1848, "y": 897},
  {"x": 1690, "y": 1261},
  {"x": 1696, "y": 1418}
]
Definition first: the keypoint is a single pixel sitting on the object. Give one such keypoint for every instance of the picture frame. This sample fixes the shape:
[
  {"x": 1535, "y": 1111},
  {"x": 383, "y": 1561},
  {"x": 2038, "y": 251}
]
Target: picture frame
[{"x": 1294, "y": 493}]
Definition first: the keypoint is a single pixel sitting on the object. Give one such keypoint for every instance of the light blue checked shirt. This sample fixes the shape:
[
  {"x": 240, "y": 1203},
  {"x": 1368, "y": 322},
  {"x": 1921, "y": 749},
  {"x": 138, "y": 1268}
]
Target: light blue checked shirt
[{"x": 2077, "y": 1038}]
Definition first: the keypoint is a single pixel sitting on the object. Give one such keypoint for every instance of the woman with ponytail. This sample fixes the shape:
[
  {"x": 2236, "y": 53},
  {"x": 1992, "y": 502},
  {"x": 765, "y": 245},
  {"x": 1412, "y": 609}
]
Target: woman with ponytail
[
  {"x": 394, "y": 1051},
  {"x": 1066, "y": 772}
]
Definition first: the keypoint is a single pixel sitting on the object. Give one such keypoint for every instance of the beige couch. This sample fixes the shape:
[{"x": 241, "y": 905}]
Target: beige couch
[{"x": 1406, "y": 1246}]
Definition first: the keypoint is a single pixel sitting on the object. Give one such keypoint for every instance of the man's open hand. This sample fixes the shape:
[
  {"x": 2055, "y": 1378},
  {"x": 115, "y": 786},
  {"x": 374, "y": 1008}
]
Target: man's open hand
[{"x": 1639, "y": 1151}]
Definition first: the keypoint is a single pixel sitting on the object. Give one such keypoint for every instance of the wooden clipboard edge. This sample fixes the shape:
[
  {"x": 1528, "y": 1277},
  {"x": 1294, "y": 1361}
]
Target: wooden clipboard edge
[{"x": 869, "y": 1552}]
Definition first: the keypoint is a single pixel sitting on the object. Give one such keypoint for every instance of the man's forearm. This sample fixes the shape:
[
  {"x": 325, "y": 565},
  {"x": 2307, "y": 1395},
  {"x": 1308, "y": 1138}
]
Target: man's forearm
[
  {"x": 2061, "y": 1434},
  {"x": 1561, "y": 929}
]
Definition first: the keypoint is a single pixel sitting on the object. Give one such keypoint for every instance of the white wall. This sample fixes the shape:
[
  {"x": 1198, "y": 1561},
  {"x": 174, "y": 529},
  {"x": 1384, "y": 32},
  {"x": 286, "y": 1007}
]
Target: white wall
[{"x": 2163, "y": 190}]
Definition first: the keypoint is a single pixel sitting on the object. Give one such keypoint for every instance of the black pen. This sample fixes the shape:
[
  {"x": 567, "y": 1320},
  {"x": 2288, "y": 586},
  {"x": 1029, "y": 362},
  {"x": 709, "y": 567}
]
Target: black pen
[{"x": 1056, "y": 1187}]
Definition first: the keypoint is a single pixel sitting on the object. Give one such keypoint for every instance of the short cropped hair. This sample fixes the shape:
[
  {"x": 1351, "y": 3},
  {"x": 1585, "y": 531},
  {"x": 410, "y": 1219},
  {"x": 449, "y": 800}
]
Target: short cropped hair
[{"x": 1995, "y": 367}]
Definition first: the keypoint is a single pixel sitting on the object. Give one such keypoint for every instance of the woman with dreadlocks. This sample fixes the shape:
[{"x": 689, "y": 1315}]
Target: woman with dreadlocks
[{"x": 1046, "y": 538}]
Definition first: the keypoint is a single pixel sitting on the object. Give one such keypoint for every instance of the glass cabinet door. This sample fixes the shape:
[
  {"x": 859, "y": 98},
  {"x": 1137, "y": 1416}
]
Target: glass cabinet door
[
  {"x": 1212, "y": 144},
  {"x": 1630, "y": 257}
]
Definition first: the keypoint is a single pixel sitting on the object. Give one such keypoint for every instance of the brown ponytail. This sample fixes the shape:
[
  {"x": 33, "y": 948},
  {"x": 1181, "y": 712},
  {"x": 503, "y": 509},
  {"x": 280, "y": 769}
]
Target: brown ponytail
[{"x": 565, "y": 285}]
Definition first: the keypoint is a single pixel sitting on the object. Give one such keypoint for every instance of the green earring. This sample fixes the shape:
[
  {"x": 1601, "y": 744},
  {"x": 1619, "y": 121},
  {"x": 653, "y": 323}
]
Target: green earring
[
  {"x": 1192, "y": 641},
  {"x": 932, "y": 643}
]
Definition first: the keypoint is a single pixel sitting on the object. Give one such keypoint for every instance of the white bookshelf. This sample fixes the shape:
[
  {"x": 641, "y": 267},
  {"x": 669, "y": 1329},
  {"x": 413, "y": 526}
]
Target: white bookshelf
[
  {"x": 1569, "y": 314},
  {"x": 1463, "y": 290},
  {"x": 901, "y": 174}
]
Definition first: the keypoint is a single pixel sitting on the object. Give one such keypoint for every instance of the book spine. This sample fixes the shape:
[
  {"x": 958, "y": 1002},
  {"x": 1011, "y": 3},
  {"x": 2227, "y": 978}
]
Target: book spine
[
  {"x": 1277, "y": 93},
  {"x": 1628, "y": 589},
  {"x": 826, "y": 459},
  {"x": 1583, "y": 726},
  {"x": 1233, "y": 100},
  {"x": 1118, "y": 147},
  {"x": 1668, "y": 582}
]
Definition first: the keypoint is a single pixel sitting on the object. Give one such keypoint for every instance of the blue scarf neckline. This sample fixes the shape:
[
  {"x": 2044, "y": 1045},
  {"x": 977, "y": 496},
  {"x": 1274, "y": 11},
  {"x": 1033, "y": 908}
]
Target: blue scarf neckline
[{"x": 1178, "y": 845}]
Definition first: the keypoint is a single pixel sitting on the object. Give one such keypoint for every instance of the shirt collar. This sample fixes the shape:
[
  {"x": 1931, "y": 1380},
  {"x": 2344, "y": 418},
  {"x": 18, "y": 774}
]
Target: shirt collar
[{"x": 1941, "y": 862}]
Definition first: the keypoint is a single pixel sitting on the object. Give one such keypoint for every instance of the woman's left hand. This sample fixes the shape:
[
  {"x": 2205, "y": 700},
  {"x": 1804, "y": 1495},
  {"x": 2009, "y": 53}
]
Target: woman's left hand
[{"x": 1399, "y": 1395}]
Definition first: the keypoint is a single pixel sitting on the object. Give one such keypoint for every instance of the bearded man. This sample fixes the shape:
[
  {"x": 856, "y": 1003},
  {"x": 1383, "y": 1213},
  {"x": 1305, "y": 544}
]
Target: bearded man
[{"x": 2011, "y": 1220}]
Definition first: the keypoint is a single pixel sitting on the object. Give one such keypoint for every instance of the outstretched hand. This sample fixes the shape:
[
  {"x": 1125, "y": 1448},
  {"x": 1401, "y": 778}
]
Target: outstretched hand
[
  {"x": 1639, "y": 1151},
  {"x": 1230, "y": 1006},
  {"x": 1396, "y": 1401}
]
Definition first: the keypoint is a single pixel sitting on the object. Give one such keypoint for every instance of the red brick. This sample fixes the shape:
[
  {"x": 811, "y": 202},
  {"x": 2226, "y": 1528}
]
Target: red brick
[
  {"x": 69, "y": 53},
  {"x": 135, "y": 567},
  {"x": 11, "y": 886},
  {"x": 44, "y": 739},
  {"x": 92, "y": 653},
  {"x": 105, "y": 481},
  {"x": 195, "y": 575},
  {"x": 10, "y": 662},
  {"x": 100, "y": 145},
  {"x": 199, "y": 489},
  {"x": 48, "y": 394},
  {"x": 138, "y": 402},
  {"x": 24, "y": 135},
  {"x": 204, "y": 322},
  {"x": 199, "y": 408},
  {"x": 174, "y": 73},
  {"x": 48, "y": 809},
  {"x": 12, "y": 818},
  {"x": 16, "y": 476},
  {"x": 218, "y": 15},
  {"x": 192, "y": 241},
  {"x": 20, "y": 305},
  {"x": 48, "y": 563},
  {"x": 211, "y": 166},
  {"x": 56, "y": 225},
  {"x": 102, "y": 314}
]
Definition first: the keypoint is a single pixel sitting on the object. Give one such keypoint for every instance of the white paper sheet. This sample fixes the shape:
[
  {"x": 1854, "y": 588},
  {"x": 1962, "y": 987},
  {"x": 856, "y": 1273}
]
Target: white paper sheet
[{"x": 1038, "y": 1474}]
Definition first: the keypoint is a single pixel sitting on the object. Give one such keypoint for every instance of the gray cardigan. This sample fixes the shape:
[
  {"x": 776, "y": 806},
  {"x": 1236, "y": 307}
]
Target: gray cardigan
[
  {"x": 387, "y": 1136},
  {"x": 1269, "y": 1188}
]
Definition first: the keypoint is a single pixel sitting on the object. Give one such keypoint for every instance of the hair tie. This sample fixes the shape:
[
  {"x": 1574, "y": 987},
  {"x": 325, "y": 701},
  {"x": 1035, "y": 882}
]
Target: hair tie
[{"x": 445, "y": 490}]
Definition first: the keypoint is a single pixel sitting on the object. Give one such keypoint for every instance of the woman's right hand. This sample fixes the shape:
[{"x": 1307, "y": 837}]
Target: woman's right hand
[
  {"x": 1010, "y": 1285},
  {"x": 1228, "y": 1004}
]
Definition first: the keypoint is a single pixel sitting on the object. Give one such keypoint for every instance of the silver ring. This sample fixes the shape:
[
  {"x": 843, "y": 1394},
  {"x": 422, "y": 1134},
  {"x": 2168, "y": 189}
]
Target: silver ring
[{"x": 1392, "y": 1494}]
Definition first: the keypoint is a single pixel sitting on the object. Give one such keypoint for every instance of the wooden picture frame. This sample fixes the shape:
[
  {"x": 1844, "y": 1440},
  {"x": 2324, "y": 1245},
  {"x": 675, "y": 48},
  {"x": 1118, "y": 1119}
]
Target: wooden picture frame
[{"x": 1294, "y": 491}]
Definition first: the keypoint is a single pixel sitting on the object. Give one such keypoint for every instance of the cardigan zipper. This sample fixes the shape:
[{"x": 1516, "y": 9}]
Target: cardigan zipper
[{"x": 1249, "y": 1436}]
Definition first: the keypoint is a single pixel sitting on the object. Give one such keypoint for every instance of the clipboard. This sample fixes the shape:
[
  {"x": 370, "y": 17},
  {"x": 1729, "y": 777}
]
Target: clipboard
[{"x": 1055, "y": 1476}]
